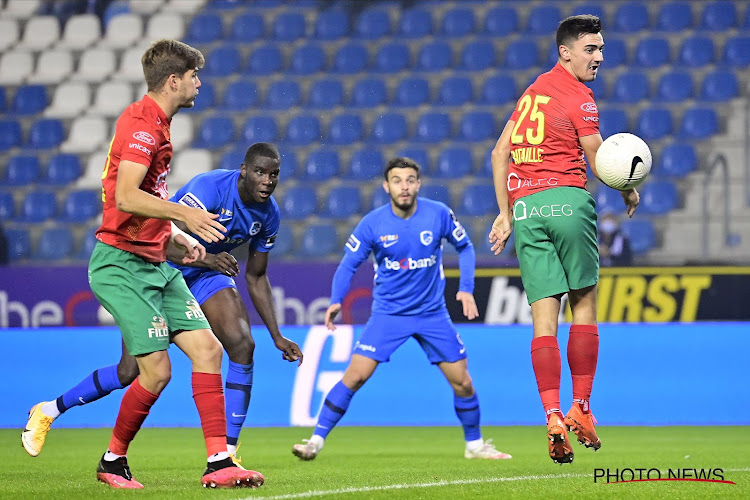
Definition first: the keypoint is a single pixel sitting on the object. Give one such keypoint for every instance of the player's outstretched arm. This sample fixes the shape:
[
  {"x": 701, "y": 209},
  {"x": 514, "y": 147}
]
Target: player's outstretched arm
[
  {"x": 502, "y": 227},
  {"x": 331, "y": 313}
]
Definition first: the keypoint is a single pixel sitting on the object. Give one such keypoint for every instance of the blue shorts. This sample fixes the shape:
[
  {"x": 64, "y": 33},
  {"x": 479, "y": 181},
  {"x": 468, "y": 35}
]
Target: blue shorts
[
  {"x": 384, "y": 333},
  {"x": 206, "y": 284}
]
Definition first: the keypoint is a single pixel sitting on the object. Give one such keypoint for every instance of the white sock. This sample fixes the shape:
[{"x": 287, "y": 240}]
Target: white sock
[
  {"x": 232, "y": 449},
  {"x": 50, "y": 409},
  {"x": 318, "y": 441},
  {"x": 218, "y": 456},
  {"x": 110, "y": 457},
  {"x": 475, "y": 444}
]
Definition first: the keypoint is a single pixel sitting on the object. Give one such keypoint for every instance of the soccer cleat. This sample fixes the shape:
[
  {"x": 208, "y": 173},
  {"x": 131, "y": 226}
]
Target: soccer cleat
[
  {"x": 37, "y": 427},
  {"x": 560, "y": 450},
  {"x": 305, "y": 451},
  {"x": 583, "y": 425},
  {"x": 486, "y": 451},
  {"x": 225, "y": 474},
  {"x": 116, "y": 474}
]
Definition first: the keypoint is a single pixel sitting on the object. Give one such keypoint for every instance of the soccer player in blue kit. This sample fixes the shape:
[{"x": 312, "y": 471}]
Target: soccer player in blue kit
[
  {"x": 243, "y": 200},
  {"x": 405, "y": 237}
]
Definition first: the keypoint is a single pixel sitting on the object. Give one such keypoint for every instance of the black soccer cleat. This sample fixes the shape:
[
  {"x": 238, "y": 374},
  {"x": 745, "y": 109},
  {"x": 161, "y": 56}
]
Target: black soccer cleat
[
  {"x": 225, "y": 474},
  {"x": 116, "y": 474}
]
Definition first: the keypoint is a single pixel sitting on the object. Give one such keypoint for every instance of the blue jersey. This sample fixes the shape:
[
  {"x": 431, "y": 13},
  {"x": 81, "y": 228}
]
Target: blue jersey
[
  {"x": 216, "y": 191},
  {"x": 409, "y": 277}
]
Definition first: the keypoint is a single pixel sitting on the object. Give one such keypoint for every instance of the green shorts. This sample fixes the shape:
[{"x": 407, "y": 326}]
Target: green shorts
[
  {"x": 556, "y": 241},
  {"x": 149, "y": 301}
]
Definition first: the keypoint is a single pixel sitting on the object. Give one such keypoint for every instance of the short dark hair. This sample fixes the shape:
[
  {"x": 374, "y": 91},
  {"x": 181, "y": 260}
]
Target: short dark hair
[
  {"x": 571, "y": 28},
  {"x": 167, "y": 57},
  {"x": 400, "y": 162},
  {"x": 261, "y": 149}
]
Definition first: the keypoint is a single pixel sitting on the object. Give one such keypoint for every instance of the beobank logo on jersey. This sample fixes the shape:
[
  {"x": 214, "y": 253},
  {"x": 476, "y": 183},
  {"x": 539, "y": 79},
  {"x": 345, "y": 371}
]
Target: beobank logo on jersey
[
  {"x": 409, "y": 264},
  {"x": 589, "y": 107}
]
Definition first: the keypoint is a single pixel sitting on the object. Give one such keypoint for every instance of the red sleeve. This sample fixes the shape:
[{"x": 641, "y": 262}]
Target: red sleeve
[
  {"x": 138, "y": 141},
  {"x": 584, "y": 114}
]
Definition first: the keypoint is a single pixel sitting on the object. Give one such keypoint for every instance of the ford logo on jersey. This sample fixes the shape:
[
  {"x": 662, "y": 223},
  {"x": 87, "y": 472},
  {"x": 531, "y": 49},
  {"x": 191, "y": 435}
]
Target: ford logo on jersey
[{"x": 409, "y": 263}]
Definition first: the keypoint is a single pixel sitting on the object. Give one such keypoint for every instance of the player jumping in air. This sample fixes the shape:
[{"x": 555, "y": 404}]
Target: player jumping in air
[
  {"x": 405, "y": 236},
  {"x": 554, "y": 124}
]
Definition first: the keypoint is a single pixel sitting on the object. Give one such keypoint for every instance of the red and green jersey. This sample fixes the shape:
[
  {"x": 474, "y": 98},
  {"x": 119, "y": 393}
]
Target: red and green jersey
[
  {"x": 141, "y": 136},
  {"x": 550, "y": 117}
]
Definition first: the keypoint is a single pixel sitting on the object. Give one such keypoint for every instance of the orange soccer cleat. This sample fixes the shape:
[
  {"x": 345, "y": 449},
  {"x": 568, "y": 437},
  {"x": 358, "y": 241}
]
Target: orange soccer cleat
[
  {"x": 583, "y": 425},
  {"x": 225, "y": 474},
  {"x": 116, "y": 474},
  {"x": 560, "y": 450}
]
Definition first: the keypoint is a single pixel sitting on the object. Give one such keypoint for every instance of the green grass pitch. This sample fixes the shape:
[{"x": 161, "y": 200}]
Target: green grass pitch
[{"x": 385, "y": 463}]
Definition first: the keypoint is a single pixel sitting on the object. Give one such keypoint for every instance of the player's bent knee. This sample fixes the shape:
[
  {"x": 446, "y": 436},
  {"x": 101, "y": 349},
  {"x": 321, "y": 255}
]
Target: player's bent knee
[{"x": 241, "y": 349}]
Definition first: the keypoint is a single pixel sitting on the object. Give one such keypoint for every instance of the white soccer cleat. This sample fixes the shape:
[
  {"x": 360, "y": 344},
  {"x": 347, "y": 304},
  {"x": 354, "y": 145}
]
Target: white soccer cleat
[
  {"x": 487, "y": 452},
  {"x": 36, "y": 430},
  {"x": 306, "y": 451}
]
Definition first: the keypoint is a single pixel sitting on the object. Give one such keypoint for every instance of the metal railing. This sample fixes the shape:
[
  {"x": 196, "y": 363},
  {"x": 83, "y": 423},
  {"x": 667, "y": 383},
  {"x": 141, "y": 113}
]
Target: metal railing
[{"x": 719, "y": 161}]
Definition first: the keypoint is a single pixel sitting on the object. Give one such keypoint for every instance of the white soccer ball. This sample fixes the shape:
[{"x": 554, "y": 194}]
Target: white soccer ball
[{"x": 623, "y": 161}]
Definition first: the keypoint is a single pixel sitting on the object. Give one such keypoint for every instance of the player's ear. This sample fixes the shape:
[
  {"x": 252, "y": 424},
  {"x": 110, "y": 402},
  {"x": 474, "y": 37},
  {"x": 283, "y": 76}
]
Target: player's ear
[
  {"x": 385, "y": 187},
  {"x": 564, "y": 52}
]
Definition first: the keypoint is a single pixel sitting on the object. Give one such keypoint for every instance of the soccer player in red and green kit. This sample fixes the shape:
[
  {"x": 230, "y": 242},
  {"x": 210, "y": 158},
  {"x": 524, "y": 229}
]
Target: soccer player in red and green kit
[{"x": 556, "y": 123}]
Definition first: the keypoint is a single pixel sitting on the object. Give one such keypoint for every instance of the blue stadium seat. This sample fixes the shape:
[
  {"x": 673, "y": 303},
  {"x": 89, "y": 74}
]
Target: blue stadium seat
[
  {"x": 392, "y": 57},
  {"x": 654, "y": 123},
  {"x": 630, "y": 87},
  {"x": 55, "y": 243},
  {"x": 599, "y": 87},
  {"x": 289, "y": 167},
  {"x": 288, "y": 26},
  {"x": 19, "y": 244},
  {"x": 22, "y": 170},
  {"x": 437, "y": 192},
  {"x": 284, "y": 243},
  {"x": 3, "y": 100},
  {"x": 215, "y": 132},
  {"x": 389, "y": 128},
  {"x": 223, "y": 4},
  {"x": 233, "y": 159},
  {"x": 615, "y": 52},
  {"x": 7, "y": 205},
  {"x": 322, "y": 165},
  {"x": 499, "y": 89},
  {"x": 699, "y": 123},
  {"x": 434, "y": 56},
  {"x": 720, "y": 85},
  {"x": 455, "y": 91},
  {"x": 206, "y": 97},
  {"x": 265, "y": 60},
  {"x": 478, "y": 126},
  {"x": 454, "y": 162},
  {"x": 63, "y": 168},
  {"x": 696, "y": 51},
  {"x": 433, "y": 127},
  {"x": 308, "y": 59},
  {"x": 458, "y": 22},
  {"x": 520, "y": 54},
  {"x": 298, "y": 202},
  {"x": 641, "y": 233},
  {"x": 675, "y": 86},
  {"x": 241, "y": 95},
  {"x": 319, "y": 240},
  {"x": 283, "y": 94},
  {"x": 675, "y": 16},
  {"x": 366, "y": 164},
  {"x": 612, "y": 121},
  {"x": 719, "y": 16},
  {"x": 652, "y": 52},
  {"x": 746, "y": 21},
  {"x": 332, "y": 24},
  {"x": 595, "y": 9},
  {"x": 368, "y": 93},
  {"x": 373, "y": 23},
  {"x": 608, "y": 199},
  {"x": 87, "y": 244},
  {"x": 248, "y": 27},
  {"x": 501, "y": 21},
  {"x": 303, "y": 130},
  {"x": 543, "y": 19},
  {"x": 260, "y": 128},
  {"x": 350, "y": 58},
  {"x": 737, "y": 51},
  {"x": 658, "y": 197},
  {"x": 678, "y": 159},
  {"x": 38, "y": 206},
  {"x": 326, "y": 94},
  {"x": 631, "y": 17},
  {"x": 485, "y": 167},
  {"x": 30, "y": 99},
  {"x": 46, "y": 133},
  {"x": 415, "y": 23},
  {"x": 346, "y": 129},
  {"x": 205, "y": 28},
  {"x": 412, "y": 91},
  {"x": 478, "y": 200},
  {"x": 342, "y": 202},
  {"x": 379, "y": 198},
  {"x": 417, "y": 154},
  {"x": 81, "y": 205},
  {"x": 478, "y": 55},
  {"x": 224, "y": 60}
]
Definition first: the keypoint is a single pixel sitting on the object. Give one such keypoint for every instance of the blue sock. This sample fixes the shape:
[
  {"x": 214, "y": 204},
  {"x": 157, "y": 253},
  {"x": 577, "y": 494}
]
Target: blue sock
[
  {"x": 334, "y": 407},
  {"x": 238, "y": 386},
  {"x": 467, "y": 410},
  {"x": 97, "y": 385}
]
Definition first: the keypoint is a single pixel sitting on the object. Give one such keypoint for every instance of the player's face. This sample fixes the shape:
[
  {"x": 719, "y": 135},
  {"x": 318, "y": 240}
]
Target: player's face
[
  {"x": 403, "y": 186},
  {"x": 259, "y": 179},
  {"x": 188, "y": 88},
  {"x": 586, "y": 56}
]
